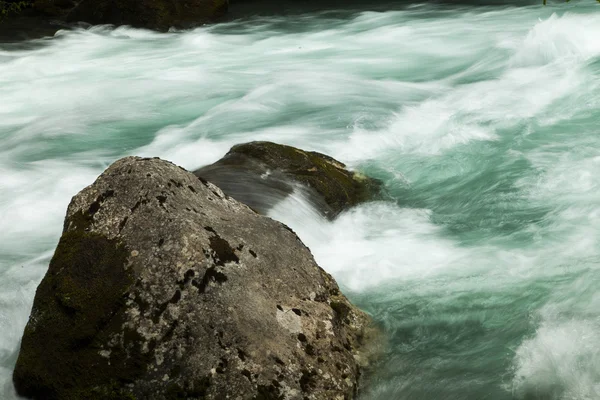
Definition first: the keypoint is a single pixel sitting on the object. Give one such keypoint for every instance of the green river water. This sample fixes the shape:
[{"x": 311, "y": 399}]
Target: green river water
[{"x": 482, "y": 266}]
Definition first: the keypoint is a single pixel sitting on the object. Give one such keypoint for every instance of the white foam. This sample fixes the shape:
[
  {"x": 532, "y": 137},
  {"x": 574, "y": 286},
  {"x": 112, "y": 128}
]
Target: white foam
[
  {"x": 371, "y": 244},
  {"x": 31, "y": 216},
  {"x": 559, "y": 38},
  {"x": 562, "y": 361}
]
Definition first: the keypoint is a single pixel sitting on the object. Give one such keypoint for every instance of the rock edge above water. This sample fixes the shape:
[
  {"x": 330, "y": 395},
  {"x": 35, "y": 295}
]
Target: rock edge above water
[{"x": 260, "y": 174}]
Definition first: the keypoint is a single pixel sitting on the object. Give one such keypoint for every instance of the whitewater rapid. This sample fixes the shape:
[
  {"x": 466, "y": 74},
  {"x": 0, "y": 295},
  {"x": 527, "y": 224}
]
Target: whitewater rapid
[{"x": 482, "y": 266}]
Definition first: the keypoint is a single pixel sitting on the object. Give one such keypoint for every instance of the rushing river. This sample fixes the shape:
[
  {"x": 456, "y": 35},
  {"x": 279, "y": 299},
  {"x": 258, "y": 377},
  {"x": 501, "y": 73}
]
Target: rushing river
[{"x": 483, "y": 266}]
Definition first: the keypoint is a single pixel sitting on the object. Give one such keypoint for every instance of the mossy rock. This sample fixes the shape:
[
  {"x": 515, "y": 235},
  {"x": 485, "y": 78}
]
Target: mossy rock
[
  {"x": 151, "y": 14},
  {"x": 261, "y": 174},
  {"x": 158, "y": 15}
]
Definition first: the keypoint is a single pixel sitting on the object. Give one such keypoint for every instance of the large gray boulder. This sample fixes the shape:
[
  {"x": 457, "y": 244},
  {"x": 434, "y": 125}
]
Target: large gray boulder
[
  {"x": 260, "y": 174},
  {"x": 162, "y": 287}
]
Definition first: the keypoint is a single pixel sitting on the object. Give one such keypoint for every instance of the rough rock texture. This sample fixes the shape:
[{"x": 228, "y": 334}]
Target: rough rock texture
[
  {"x": 260, "y": 174},
  {"x": 151, "y": 14},
  {"x": 162, "y": 287}
]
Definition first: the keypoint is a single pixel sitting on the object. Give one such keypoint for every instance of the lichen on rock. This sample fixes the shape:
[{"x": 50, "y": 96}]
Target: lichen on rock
[{"x": 162, "y": 287}]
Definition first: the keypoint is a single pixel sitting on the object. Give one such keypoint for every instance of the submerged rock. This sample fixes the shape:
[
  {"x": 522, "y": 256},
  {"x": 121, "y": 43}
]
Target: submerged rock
[
  {"x": 162, "y": 287},
  {"x": 260, "y": 174}
]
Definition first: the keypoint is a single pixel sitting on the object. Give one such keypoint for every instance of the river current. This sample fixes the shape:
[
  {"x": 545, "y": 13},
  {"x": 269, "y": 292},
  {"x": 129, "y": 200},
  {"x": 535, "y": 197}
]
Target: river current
[{"x": 482, "y": 265}]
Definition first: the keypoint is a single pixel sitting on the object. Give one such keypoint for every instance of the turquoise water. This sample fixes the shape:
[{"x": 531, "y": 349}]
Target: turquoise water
[{"x": 483, "y": 266}]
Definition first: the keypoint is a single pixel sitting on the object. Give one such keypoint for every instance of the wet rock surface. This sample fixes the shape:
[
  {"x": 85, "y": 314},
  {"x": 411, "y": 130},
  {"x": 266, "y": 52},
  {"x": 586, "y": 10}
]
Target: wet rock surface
[
  {"x": 162, "y": 287},
  {"x": 260, "y": 174}
]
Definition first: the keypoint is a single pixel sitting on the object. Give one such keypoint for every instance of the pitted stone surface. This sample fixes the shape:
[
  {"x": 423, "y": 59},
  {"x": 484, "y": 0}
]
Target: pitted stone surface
[{"x": 162, "y": 287}]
